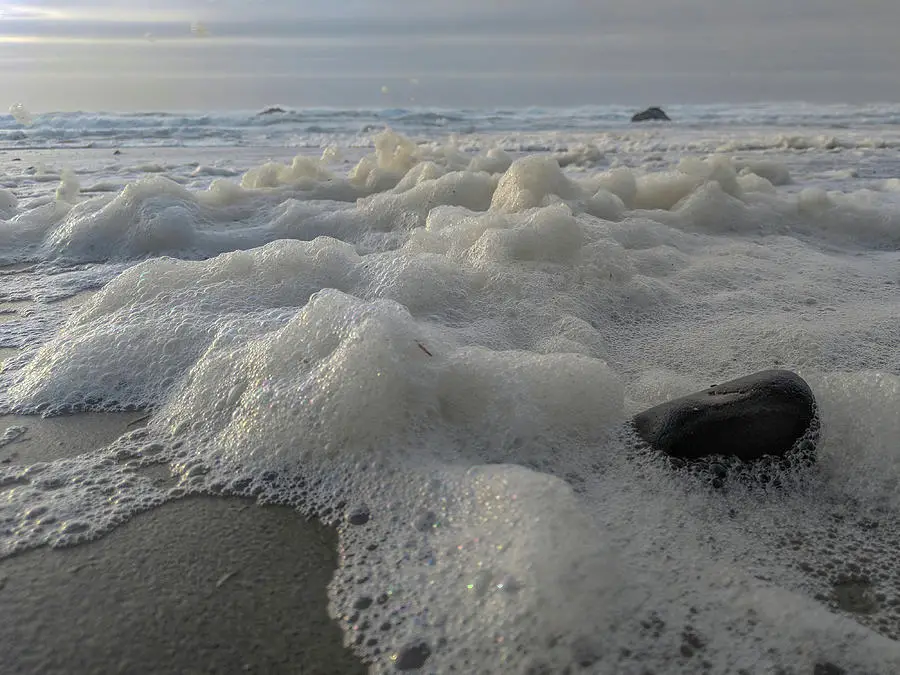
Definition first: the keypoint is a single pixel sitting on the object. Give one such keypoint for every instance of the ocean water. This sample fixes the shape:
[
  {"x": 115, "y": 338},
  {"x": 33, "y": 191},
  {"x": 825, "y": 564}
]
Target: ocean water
[{"x": 430, "y": 327}]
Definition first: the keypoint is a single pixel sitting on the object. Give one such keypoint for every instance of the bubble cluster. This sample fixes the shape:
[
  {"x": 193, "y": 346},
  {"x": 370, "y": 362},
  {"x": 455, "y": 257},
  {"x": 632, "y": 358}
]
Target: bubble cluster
[{"x": 72, "y": 500}]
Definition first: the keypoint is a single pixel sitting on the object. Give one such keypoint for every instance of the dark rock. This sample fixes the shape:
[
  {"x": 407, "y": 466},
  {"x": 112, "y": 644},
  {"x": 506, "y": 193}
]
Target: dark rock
[
  {"x": 649, "y": 114},
  {"x": 413, "y": 657},
  {"x": 273, "y": 111},
  {"x": 769, "y": 413}
]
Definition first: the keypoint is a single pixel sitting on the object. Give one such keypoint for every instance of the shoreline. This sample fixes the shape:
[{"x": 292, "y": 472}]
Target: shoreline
[{"x": 200, "y": 584}]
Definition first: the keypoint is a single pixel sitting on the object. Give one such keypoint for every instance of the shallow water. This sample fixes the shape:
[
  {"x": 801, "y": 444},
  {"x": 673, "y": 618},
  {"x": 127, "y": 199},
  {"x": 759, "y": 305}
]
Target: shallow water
[{"x": 434, "y": 342}]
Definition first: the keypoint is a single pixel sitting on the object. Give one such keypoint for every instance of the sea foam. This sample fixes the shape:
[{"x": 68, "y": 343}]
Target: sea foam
[{"x": 437, "y": 352}]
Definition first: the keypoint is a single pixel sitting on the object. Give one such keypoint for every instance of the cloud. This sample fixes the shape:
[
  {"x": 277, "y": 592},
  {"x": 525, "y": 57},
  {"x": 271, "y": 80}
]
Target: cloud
[{"x": 465, "y": 51}]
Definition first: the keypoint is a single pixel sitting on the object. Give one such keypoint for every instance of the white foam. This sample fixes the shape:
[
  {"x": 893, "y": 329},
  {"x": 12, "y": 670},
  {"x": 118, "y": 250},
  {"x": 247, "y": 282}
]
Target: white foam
[
  {"x": 774, "y": 172},
  {"x": 76, "y": 499},
  {"x": 858, "y": 445},
  {"x": 8, "y": 203},
  {"x": 69, "y": 187},
  {"x": 531, "y": 182},
  {"x": 272, "y": 174},
  {"x": 450, "y": 344},
  {"x": 214, "y": 171},
  {"x": 20, "y": 114}
]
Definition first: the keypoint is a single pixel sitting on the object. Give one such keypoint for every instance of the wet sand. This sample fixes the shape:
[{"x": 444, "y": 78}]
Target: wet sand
[
  {"x": 50, "y": 438},
  {"x": 200, "y": 585}
]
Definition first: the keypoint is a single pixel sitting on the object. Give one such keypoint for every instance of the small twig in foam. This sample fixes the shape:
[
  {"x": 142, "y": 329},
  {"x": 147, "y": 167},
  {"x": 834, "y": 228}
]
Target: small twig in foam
[{"x": 422, "y": 347}]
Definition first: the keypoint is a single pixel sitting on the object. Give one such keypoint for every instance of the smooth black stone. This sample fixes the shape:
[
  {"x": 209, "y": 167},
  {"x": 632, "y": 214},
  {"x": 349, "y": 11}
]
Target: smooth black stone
[
  {"x": 764, "y": 414},
  {"x": 649, "y": 114}
]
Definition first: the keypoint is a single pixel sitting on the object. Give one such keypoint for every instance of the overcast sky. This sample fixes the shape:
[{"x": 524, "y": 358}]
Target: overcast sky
[{"x": 247, "y": 54}]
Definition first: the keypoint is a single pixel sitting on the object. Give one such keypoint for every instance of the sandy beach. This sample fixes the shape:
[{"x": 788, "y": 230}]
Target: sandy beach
[
  {"x": 434, "y": 325},
  {"x": 201, "y": 585}
]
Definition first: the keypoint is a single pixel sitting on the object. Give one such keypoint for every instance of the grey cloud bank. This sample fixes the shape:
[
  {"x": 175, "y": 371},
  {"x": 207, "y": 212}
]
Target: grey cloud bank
[{"x": 110, "y": 55}]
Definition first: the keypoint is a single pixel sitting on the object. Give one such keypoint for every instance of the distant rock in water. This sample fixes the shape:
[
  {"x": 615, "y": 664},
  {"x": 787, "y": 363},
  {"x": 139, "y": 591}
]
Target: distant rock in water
[
  {"x": 273, "y": 111},
  {"x": 765, "y": 414},
  {"x": 650, "y": 114}
]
